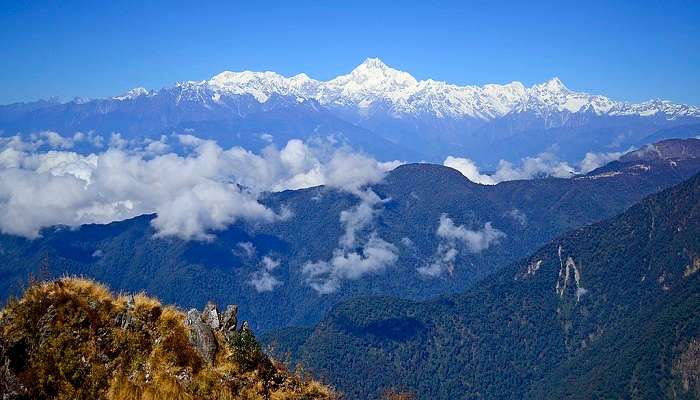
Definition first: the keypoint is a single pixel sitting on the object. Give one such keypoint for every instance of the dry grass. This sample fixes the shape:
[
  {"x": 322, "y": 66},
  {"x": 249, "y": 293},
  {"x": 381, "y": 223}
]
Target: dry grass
[{"x": 68, "y": 339}]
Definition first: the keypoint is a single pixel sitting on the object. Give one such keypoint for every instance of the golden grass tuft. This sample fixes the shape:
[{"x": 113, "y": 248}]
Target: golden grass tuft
[{"x": 73, "y": 339}]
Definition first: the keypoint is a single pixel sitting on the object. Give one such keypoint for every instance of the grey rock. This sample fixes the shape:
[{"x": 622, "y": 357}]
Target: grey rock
[
  {"x": 210, "y": 316},
  {"x": 201, "y": 336},
  {"x": 229, "y": 321},
  {"x": 126, "y": 319}
]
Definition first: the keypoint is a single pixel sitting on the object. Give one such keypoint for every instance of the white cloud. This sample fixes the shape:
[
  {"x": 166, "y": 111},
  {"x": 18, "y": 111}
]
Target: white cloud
[
  {"x": 592, "y": 160},
  {"x": 190, "y": 140},
  {"x": 354, "y": 257},
  {"x": 49, "y": 140},
  {"x": 116, "y": 141},
  {"x": 443, "y": 261},
  {"x": 351, "y": 171},
  {"x": 206, "y": 206},
  {"x": 469, "y": 169},
  {"x": 263, "y": 281},
  {"x": 517, "y": 215},
  {"x": 155, "y": 147},
  {"x": 90, "y": 138},
  {"x": 269, "y": 263},
  {"x": 374, "y": 256},
  {"x": 475, "y": 241},
  {"x": 248, "y": 248},
  {"x": 357, "y": 218},
  {"x": 544, "y": 164},
  {"x": 194, "y": 194},
  {"x": 56, "y": 141},
  {"x": 29, "y": 201}
]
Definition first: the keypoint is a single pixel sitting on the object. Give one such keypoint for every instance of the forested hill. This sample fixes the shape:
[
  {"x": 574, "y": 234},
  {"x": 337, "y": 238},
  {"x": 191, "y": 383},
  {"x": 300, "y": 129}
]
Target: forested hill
[
  {"x": 260, "y": 267},
  {"x": 610, "y": 310}
]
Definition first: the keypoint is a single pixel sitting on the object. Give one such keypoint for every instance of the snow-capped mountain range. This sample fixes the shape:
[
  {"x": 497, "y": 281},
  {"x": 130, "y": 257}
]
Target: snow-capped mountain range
[
  {"x": 374, "y": 83},
  {"x": 375, "y": 108}
]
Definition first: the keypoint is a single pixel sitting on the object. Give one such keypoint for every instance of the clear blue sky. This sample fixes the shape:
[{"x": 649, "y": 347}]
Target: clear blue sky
[{"x": 629, "y": 50}]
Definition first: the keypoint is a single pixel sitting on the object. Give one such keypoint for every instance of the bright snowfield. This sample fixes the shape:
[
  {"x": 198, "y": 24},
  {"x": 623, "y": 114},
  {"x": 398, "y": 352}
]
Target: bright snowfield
[{"x": 373, "y": 82}]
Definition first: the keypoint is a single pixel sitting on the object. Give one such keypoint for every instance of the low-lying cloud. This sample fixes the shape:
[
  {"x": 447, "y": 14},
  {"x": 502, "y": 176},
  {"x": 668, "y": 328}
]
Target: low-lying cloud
[
  {"x": 355, "y": 256},
  {"x": 263, "y": 280},
  {"x": 592, "y": 161},
  {"x": 453, "y": 237},
  {"x": 474, "y": 241},
  {"x": 200, "y": 191},
  {"x": 543, "y": 164},
  {"x": 374, "y": 256}
]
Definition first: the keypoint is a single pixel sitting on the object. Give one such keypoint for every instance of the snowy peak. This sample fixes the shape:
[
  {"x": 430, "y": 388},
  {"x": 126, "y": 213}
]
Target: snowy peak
[
  {"x": 374, "y": 86},
  {"x": 553, "y": 85},
  {"x": 368, "y": 82},
  {"x": 260, "y": 85},
  {"x": 373, "y": 63},
  {"x": 134, "y": 93},
  {"x": 373, "y": 72},
  {"x": 553, "y": 96}
]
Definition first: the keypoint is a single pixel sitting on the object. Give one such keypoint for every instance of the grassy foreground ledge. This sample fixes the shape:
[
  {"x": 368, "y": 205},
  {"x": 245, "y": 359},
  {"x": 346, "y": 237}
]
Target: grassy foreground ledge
[{"x": 73, "y": 339}]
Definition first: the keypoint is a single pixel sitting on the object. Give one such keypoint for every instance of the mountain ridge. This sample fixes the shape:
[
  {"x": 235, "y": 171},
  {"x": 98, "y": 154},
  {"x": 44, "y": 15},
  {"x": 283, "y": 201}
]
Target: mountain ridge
[
  {"x": 417, "y": 199},
  {"x": 375, "y": 109},
  {"x": 604, "y": 311},
  {"x": 373, "y": 81}
]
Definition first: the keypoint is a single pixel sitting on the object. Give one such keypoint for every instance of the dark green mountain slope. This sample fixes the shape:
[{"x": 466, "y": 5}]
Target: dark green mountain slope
[
  {"x": 126, "y": 256},
  {"x": 605, "y": 311}
]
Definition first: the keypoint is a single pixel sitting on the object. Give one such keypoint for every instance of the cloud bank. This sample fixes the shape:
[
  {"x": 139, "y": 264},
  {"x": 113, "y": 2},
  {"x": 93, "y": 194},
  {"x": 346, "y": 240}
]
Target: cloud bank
[
  {"x": 592, "y": 161},
  {"x": 202, "y": 190},
  {"x": 543, "y": 164}
]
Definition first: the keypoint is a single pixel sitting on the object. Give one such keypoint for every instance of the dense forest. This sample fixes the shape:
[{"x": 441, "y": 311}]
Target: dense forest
[
  {"x": 609, "y": 310},
  {"x": 127, "y": 256}
]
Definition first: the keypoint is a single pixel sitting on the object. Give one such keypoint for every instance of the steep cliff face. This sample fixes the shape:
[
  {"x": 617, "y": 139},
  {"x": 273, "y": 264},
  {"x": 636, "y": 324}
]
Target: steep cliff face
[{"x": 73, "y": 339}]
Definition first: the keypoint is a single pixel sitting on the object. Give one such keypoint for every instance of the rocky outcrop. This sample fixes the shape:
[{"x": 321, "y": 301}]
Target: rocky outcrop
[
  {"x": 230, "y": 319},
  {"x": 201, "y": 335},
  {"x": 203, "y": 327},
  {"x": 73, "y": 339},
  {"x": 210, "y": 315}
]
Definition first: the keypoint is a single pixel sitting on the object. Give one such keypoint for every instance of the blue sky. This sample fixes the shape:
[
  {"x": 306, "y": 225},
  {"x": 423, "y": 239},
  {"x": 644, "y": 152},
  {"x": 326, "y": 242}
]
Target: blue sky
[{"x": 628, "y": 50}]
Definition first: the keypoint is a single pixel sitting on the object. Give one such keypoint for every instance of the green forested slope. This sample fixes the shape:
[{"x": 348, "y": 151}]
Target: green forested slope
[
  {"x": 128, "y": 257},
  {"x": 601, "y": 312}
]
